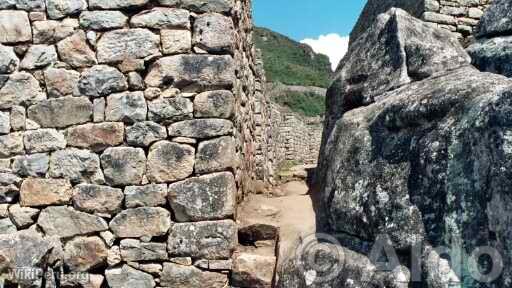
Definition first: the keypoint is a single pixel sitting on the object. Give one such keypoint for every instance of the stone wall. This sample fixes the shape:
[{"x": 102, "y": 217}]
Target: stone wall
[{"x": 126, "y": 133}]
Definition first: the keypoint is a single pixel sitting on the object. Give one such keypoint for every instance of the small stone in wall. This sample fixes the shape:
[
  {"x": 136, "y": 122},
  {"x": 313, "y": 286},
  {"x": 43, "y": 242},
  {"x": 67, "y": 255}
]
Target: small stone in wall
[
  {"x": 61, "y": 82},
  {"x": 128, "y": 107},
  {"x": 169, "y": 110},
  {"x": 135, "y": 81},
  {"x": 119, "y": 45},
  {"x": 20, "y": 88},
  {"x": 202, "y": 6},
  {"x": 79, "y": 281},
  {"x": 8, "y": 60},
  {"x": 82, "y": 254},
  {"x": 128, "y": 277},
  {"x": 102, "y": 200},
  {"x": 214, "y": 104},
  {"x": 214, "y": 32},
  {"x": 5, "y": 122},
  {"x": 34, "y": 165},
  {"x": 18, "y": 118},
  {"x": 23, "y": 217},
  {"x": 79, "y": 166},
  {"x": 176, "y": 41},
  {"x": 102, "y": 20},
  {"x": 43, "y": 140},
  {"x": 55, "y": 221},
  {"x": 194, "y": 239},
  {"x": 14, "y": 27},
  {"x": 7, "y": 227},
  {"x": 99, "y": 110},
  {"x": 251, "y": 270},
  {"x": 11, "y": 144},
  {"x": 143, "y": 134},
  {"x": 27, "y": 5},
  {"x": 123, "y": 165},
  {"x": 101, "y": 80},
  {"x": 216, "y": 155},
  {"x": 145, "y": 196},
  {"x": 168, "y": 162},
  {"x": 162, "y": 18},
  {"x": 39, "y": 56},
  {"x": 141, "y": 222},
  {"x": 61, "y": 112},
  {"x": 61, "y": 8},
  {"x": 208, "y": 70},
  {"x": 116, "y": 4},
  {"x": 208, "y": 197},
  {"x": 134, "y": 250},
  {"x": 51, "y": 31},
  {"x": 201, "y": 128},
  {"x": 175, "y": 275},
  {"x": 74, "y": 51},
  {"x": 96, "y": 137},
  {"x": 43, "y": 192}
]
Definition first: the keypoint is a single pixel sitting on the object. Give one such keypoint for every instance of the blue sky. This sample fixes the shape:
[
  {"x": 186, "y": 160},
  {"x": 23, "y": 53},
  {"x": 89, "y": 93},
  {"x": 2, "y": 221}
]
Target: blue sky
[{"x": 320, "y": 23}]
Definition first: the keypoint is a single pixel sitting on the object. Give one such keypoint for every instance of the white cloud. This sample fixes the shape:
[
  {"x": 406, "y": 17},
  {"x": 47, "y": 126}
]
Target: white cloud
[{"x": 333, "y": 45}]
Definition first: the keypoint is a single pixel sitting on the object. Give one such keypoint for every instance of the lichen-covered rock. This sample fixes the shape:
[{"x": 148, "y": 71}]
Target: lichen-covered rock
[
  {"x": 162, "y": 18},
  {"x": 97, "y": 199},
  {"x": 102, "y": 20},
  {"x": 175, "y": 275},
  {"x": 252, "y": 270},
  {"x": 8, "y": 60},
  {"x": 123, "y": 165},
  {"x": 216, "y": 155},
  {"x": 183, "y": 70},
  {"x": 74, "y": 51},
  {"x": 176, "y": 41},
  {"x": 34, "y": 165},
  {"x": 492, "y": 55},
  {"x": 20, "y": 88},
  {"x": 116, "y": 4},
  {"x": 85, "y": 253},
  {"x": 209, "y": 197},
  {"x": 61, "y": 112},
  {"x": 169, "y": 110},
  {"x": 134, "y": 250},
  {"x": 145, "y": 196},
  {"x": 207, "y": 240},
  {"x": 141, "y": 222},
  {"x": 214, "y": 32},
  {"x": 23, "y": 217},
  {"x": 43, "y": 140},
  {"x": 11, "y": 144},
  {"x": 43, "y": 192},
  {"x": 129, "y": 107},
  {"x": 55, "y": 222},
  {"x": 143, "y": 134},
  {"x": 79, "y": 166},
  {"x": 39, "y": 56},
  {"x": 201, "y": 128},
  {"x": 128, "y": 277},
  {"x": 119, "y": 45},
  {"x": 96, "y": 137},
  {"x": 61, "y": 82},
  {"x": 61, "y": 8},
  {"x": 168, "y": 162},
  {"x": 101, "y": 80},
  {"x": 14, "y": 27},
  {"x": 497, "y": 19},
  {"x": 214, "y": 104},
  {"x": 51, "y": 31}
]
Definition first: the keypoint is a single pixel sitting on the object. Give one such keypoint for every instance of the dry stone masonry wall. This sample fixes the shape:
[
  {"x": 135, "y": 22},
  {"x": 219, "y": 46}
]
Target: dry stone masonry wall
[{"x": 126, "y": 134}]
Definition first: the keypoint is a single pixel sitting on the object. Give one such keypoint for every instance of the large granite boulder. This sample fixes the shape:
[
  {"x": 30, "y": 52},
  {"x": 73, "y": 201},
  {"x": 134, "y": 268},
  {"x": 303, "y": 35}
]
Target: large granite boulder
[
  {"x": 492, "y": 52},
  {"x": 425, "y": 161}
]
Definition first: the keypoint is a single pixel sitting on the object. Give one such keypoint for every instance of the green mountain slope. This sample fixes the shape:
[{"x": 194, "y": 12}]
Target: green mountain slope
[{"x": 291, "y": 62}]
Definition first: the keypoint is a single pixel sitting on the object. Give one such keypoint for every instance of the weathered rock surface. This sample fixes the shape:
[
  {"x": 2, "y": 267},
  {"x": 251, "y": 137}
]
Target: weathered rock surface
[
  {"x": 5, "y": 123},
  {"x": 214, "y": 104},
  {"x": 55, "y": 222},
  {"x": 149, "y": 195},
  {"x": 61, "y": 82},
  {"x": 85, "y": 253},
  {"x": 129, "y": 277},
  {"x": 253, "y": 270},
  {"x": 162, "y": 18},
  {"x": 123, "y": 165},
  {"x": 183, "y": 70},
  {"x": 97, "y": 199},
  {"x": 116, "y": 4},
  {"x": 201, "y": 6},
  {"x": 79, "y": 281},
  {"x": 43, "y": 192},
  {"x": 169, "y": 110},
  {"x": 75, "y": 51},
  {"x": 39, "y": 56},
  {"x": 14, "y": 27},
  {"x": 34, "y": 165},
  {"x": 176, "y": 41},
  {"x": 96, "y": 137},
  {"x": 175, "y": 275},
  {"x": 79, "y": 166},
  {"x": 61, "y": 8},
  {"x": 101, "y": 80},
  {"x": 129, "y": 107},
  {"x": 23, "y": 217},
  {"x": 7, "y": 227},
  {"x": 143, "y": 134},
  {"x": 141, "y": 222},
  {"x": 20, "y": 88},
  {"x": 216, "y": 155},
  {"x": 119, "y": 45},
  {"x": 201, "y": 128},
  {"x": 492, "y": 55},
  {"x": 134, "y": 250},
  {"x": 214, "y": 32},
  {"x": 168, "y": 162},
  {"x": 207, "y": 240},
  {"x": 61, "y": 112},
  {"x": 497, "y": 20},
  {"x": 8, "y": 60},
  {"x": 102, "y": 20},
  {"x": 209, "y": 197},
  {"x": 43, "y": 140},
  {"x": 51, "y": 31},
  {"x": 11, "y": 144}
]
